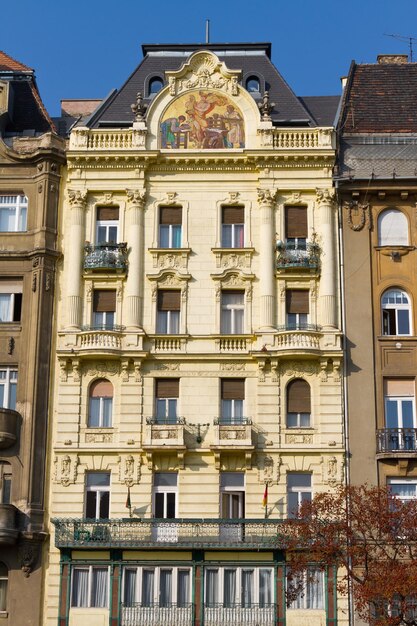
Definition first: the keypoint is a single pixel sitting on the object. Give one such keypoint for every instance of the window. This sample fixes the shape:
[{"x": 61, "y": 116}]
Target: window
[
  {"x": 165, "y": 495},
  {"x": 8, "y": 387},
  {"x": 298, "y": 491},
  {"x": 395, "y": 313},
  {"x": 170, "y": 225},
  {"x": 238, "y": 586},
  {"x": 312, "y": 594},
  {"x": 90, "y": 587},
  {"x": 166, "y": 400},
  {"x": 392, "y": 228},
  {"x": 232, "y": 488},
  {"x": 297, "y": 309},
  {"x": 296, "y": 227},
  {"x": 232, "y": 311},
  {"x": 97, "y": 495},
  {"x": 298, "y": 404},
  {"x": 404, "y": 488},
  {"x": 5, "y": 483},
  {"x": 400, "y": 413},
  {"x": 252, "y": 84},
  {"x": 10, "y": 301},
  {"x": 157, "y": 586},
  {"x": 4, "y": 578},
  {"x": 233, "y": 224},
  {"x": 155, "y": 85},
  {"x": 232, "y": 399},
  {"x": 107, "y": 225},
  {"x": 101, "y": 401},
  {"x": 168, "y": 313},
  {"x": 13, "y": 213},
  {"x": 104, "y": 309}
]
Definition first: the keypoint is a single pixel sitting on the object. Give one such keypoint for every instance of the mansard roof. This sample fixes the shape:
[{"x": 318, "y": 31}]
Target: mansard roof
[
  {"x": 26, "y": 113},
  {"x": 253, "y": 59}
]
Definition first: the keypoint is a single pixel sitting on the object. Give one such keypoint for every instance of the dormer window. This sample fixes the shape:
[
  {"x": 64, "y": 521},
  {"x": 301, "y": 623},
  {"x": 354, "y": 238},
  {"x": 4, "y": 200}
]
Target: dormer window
[
  {"x": 155, "y": 85},
  {"x": 252, "y": 84}
]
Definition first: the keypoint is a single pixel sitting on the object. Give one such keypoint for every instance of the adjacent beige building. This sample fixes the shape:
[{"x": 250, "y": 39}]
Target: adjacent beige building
[{"x": 198, "y": 346}]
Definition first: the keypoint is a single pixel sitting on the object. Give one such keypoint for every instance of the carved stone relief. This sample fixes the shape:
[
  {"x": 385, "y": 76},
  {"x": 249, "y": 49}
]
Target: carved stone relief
[{"x": 66, "y": 469}]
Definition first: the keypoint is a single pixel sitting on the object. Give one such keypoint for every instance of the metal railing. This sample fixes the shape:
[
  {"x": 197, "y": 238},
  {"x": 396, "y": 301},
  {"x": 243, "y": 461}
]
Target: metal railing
[
  {"x": 289, "y": 255},
  {"x": 150, "y": 533},
  {"x": 163, "y": 421},
  {"x": 299, "y": 327},
  {"x": 111, "y": 328},
  {"x": 238, "y": 615},
  {"x": 232, "y": 421},
  {"x": 105, "y": 256},
  {"x": 156, "y": 615},
  {"x": 396, "y": 440}
]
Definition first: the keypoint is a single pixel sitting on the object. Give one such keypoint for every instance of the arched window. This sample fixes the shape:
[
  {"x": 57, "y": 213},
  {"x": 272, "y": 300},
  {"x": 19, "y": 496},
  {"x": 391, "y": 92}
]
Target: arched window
[
  {"x": 101, "y": 404},
  {"x": 155, "y": 85},
  {"x": 392, "y": 228},
  {"x": 298, "y": 404},
  {"x": 396, "y": 310},
  {"x": 252, "y": 84},
  {"x": 4, "y": 576}
]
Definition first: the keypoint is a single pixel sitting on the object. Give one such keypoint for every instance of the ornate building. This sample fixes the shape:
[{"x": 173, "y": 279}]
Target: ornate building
[
  {"x": 376, "y": 180},
  {"x": 197, "y": 390},
  {"x": 31, "y": 156}
]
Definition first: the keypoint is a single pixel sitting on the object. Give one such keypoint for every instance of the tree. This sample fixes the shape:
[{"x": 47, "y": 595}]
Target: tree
[{"x": 370, "y": 536}]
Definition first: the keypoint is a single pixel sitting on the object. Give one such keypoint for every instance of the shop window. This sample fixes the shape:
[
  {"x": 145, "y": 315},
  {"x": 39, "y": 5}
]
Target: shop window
[
  {"x": 298, "y": 404},
  {"x": 101, "y": 404}
]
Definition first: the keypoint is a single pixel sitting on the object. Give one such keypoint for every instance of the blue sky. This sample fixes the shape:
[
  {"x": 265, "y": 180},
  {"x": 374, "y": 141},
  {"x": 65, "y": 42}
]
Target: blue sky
[{"x": 85, "y": 49}]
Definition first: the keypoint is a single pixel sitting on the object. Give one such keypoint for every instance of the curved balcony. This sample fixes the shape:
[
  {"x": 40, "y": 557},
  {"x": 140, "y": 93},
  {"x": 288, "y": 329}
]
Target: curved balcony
[
  {"x": 9, "y": 427},
  {"x": 291, "y": 257},
  {"x": 105, "y": 257},
  {"x": 396, "y": 442},
  {"x": 8, "y": 524},
  {"x": 101, "y": 338},
  {"x": 303, "y": 338}
]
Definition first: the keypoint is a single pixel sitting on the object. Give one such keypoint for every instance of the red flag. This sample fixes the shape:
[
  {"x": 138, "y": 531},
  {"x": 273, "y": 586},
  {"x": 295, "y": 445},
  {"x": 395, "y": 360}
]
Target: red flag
[{"x": 265, "y": 498}]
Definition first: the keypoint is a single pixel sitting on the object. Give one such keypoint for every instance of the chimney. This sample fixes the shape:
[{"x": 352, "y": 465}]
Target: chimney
[{"x": 393, "y": 59}]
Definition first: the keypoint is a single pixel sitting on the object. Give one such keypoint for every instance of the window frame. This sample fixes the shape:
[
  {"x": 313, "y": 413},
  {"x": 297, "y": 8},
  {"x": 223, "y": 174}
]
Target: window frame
[
  {"x": 300, "y": 490},
  {"x": 108, "y": 318},
  {"x": 382, "y": 241},
  {"x": 396, "y": 307},
  {"x": 232, "y": 311},
  {"x": 98, "y": 490},
  {"x": 10, "y": 383},
  {"x": 165, "y": 490},
  {"x": 298, "y": 415},
  {"x": 239, "y": 599},
  {"x": 9, "y": 289},
  {"x": 103, "y": 401},
  {"x": 157, "y": 569},
  {"x": 303, "y": 599},
  {"x": 6, "y": 478},
  {"x": 90, "y": 587},
  {"x": 20, "y": 205},
  {"x": 4, "y": 578},
  {"x": 237, "y": 229},
  {"x": 396, "y": 480},
  {"x": 168, "y": 321}
]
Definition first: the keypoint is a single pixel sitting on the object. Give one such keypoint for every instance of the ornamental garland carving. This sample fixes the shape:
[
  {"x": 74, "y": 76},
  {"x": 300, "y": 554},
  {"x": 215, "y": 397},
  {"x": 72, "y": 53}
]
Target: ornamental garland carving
[
  {"x": 298, "y": 368},
  {"x": 358, "y": 215},
  {"x": 102, "y": 368},
  {"x": 203, "y": 70}
]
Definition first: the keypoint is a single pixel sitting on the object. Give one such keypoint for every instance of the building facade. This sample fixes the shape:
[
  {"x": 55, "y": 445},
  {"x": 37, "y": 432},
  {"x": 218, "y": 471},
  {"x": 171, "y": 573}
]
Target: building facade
[
  {"x": 197, "y": 395},
  {"x": 31, "y": 156}
]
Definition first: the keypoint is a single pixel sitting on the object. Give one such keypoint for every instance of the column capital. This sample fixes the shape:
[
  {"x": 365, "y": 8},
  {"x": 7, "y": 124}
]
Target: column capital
[
  {"x": 267, "y": 197},
  {"x": 136, "y": 197},
  {"x": 77, "y": 198},
  {"x": 325, "y": 196}
]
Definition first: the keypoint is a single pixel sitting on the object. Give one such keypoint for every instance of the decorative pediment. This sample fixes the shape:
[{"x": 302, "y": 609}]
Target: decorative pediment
[{"x": 203, "y": 70}]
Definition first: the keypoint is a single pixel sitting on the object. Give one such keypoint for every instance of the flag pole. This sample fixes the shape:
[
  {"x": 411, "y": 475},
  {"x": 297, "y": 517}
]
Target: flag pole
[
  {"x": 265, "y": 499},
  {"x": 128, "y": 501}
]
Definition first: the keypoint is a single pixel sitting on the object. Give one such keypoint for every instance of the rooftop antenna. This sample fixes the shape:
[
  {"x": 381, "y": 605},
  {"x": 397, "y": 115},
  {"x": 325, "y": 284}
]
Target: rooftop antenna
[
  {"x": 408, "y": 38},
  {"x": 207, "y": 31}
]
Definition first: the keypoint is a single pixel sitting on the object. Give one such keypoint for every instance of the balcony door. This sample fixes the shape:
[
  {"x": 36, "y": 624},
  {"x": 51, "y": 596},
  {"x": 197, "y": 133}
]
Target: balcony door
[
  {"x": 232, "y": 492},
  {"x": 400, "y": 413},
  {"x": 165, "y": 498}
]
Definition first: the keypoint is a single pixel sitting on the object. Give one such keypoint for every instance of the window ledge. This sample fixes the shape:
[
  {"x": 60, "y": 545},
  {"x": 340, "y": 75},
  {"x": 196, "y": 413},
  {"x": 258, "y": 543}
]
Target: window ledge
[
  {"x": 394, "y": 250},
  {"x": 16, "y": 326}
]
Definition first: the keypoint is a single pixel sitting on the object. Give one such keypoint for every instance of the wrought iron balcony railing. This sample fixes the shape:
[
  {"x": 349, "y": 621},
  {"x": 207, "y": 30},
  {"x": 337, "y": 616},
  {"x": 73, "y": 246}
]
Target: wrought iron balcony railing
[
  {"x": 290, "y": 256},
  {"x": 136, "y": 614},
  {"x": 183, "y": 533},
  {"x": 250, "y": 615},
  {"x": 105, "y": 256},
  {"x": 163, "y": 421},
  {"x": 396, "y": 440},
  {"x": 232, "y": 421}
]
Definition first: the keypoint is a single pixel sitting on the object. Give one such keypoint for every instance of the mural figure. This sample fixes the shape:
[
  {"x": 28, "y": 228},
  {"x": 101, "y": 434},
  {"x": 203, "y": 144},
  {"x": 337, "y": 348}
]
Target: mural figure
[{"x": 202, "y": 119}]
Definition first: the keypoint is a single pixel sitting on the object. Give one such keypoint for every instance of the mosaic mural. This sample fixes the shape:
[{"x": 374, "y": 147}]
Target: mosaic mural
[{"x": 202, "y": 119}]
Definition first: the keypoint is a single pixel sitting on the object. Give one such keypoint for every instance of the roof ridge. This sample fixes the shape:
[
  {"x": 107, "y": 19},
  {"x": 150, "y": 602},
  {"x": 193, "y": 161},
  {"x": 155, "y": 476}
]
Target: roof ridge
[{"x": 7, "y": 62}]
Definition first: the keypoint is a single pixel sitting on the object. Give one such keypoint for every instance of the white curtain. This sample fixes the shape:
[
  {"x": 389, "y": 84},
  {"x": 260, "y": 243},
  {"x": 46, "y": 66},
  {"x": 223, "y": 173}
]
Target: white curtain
[
  {"x": 229, "y": 587},
  {"x": 147, "y": 587},
  {"x": 183, "y": 588},
  {"x": 247, "y": 588},
  {"x": 265, "y": 587},
  {"x": 130, "y": 587},
  {"x": 8, "y": 220},
  {"x": 312, "y": 595},
  {"x": 79, "y": 587},
  {"x": 212, "y": 596},
  {"x": 165, "y": 587},
  {"x": 5, "y": 307},
  {"x": 99, "y": 587},
  {"x": 3, "y": 594},
  {"x": 107, "y": 412}
]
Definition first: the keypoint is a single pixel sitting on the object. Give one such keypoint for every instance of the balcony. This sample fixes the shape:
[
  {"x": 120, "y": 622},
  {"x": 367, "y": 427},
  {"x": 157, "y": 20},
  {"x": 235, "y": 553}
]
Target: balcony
[
  {"x": 303, "y": 338},
  {"x": 254, "y": 534},
  {"x": 9, "y": 426},
  {"x": 291, "y": 257},
  {"x": 164, "y": 432},
  {"x": 229, "y": 344},
  {"x": 106, "y": 257},
  {"x": 153, "y": 615},
  {"x": 396, "y": 442},
  {"x": 233, "y": 432},
  {"x": 8, "y": 524},
  {"x": 238, "y": 615},
  {"x": 101, "y": 338}
]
